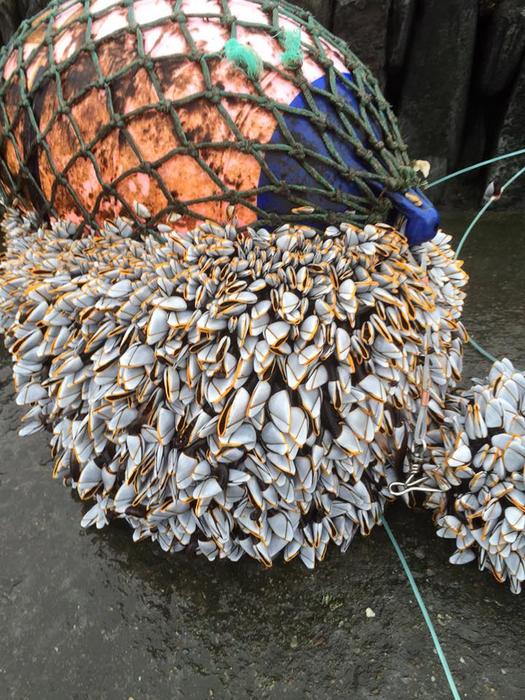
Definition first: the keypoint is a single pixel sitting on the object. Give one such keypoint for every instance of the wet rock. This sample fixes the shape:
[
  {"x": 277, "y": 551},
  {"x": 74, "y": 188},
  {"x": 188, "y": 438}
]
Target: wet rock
[
  {"x": 511, "y": 139},
  {"x": 469, "y": 187},
  {"x": 363, "y": 24},
  {"x": 12, "y": 12},
  {"x": 9, "y": 19},
  {"x": 487, "y": 7},
  {"x": 476, "y": 136},
  {"x": 437, "y": 74},
  {"x": 28, "y": 8},
  {"x": 503, "y": 47},
  {"x": 399, "y": 32},
  {"x": 322, "y": 10}
]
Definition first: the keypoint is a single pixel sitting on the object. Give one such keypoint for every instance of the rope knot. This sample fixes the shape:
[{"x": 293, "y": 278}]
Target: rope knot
[
  {"x": 298, "y": 151},
  {"x": 408, "y": 179},
  {"x": 214, "y": 95},
  {"x": 244, "y": 57},
  {"x": 320, "y": 120},
  {"x": 292, "y": 58}
]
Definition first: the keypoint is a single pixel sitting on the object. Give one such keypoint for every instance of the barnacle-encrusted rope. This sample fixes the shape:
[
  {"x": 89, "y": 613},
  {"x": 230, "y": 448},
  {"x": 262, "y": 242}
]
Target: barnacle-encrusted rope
[
  {"x": 386, "y": 159},
  {"x": 449, "y": 459},
  {"x": 476, "y": 459}
]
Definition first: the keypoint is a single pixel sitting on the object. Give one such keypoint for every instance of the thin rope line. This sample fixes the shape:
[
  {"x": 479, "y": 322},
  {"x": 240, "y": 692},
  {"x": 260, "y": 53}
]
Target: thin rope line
[
  {"x": 423, "y": 608},
  {"x": 489, "y": 356},
  {"x": 482, "y": 350},
  {"x": 484, "y": 209},
  {"x": 470, "y": 227},
  {"x": 475, "y": 167}
]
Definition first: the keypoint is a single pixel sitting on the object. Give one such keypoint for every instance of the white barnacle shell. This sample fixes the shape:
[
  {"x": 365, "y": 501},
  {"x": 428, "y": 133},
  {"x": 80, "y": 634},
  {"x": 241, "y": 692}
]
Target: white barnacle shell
[{"x": 488, "y": 462}]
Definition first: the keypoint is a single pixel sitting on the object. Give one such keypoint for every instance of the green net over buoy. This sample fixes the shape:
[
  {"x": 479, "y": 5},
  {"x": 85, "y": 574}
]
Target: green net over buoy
[{"x": 193, "y": 107}]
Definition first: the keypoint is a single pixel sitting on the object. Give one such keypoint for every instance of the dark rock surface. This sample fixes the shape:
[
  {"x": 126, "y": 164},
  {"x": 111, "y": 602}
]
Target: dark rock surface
[
  {"x": 9, "y": 19},
  {"x": 12, "y": 12},
  {"x": 28, "y": 8},
  {"x": 512, "y": 138},
  {"x": 434, "y": 97},
  {"x": 473, "y": 150},
  {"x": 322, "y": 10},
  {"x": 363, "y": 25},
  {"x": 399, "y": 34},
  {"x": 503, "y": 47}
]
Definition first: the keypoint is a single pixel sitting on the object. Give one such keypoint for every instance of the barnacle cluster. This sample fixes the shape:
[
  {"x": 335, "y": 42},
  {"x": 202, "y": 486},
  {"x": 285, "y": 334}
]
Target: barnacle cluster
[
  {"x": 227, "y": 391},
  {"x": 477, "y": 460}
]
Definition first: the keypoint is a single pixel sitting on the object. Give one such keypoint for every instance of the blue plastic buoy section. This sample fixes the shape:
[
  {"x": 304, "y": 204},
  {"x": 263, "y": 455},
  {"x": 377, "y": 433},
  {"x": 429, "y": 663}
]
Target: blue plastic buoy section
[{"x": 422, "y": 221}]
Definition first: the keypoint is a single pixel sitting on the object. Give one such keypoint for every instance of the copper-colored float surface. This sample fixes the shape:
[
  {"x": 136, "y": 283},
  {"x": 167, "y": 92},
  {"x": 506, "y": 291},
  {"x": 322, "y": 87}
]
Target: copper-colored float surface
[{"x": 134, "y": 101}]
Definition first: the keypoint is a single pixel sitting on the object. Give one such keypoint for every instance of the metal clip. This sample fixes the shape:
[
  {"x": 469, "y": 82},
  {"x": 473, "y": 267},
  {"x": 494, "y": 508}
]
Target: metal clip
[{"x": 413, "y": 483}]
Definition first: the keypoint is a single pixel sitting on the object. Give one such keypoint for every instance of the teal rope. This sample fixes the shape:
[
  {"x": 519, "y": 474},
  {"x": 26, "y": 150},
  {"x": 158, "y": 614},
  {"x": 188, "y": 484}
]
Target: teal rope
[
  {"x": 482, "y": 350},
  {"x": 470, "y": 227},
  {"x": 485, "y": 353},
  {"x": 484, "y": 208},
  {"x": 521, "y": 152},
  {"x": 423, "y": 608},
  {"x": 243, "y": 57},
  {"x": 293, "y": 55}
]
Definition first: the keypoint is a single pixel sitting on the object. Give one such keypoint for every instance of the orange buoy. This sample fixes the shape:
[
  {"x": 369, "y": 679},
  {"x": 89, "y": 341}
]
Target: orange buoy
[{"x": 192, "y": 107}]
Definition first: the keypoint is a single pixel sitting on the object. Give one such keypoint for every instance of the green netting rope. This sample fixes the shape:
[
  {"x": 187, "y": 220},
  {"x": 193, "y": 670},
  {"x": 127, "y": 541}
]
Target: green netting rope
[
  {"x": 20, "y": 108},
  {"x": 244, "y": 57},
  {"x": 293, "y": 54},
  {"x": 428, "y": 621}
]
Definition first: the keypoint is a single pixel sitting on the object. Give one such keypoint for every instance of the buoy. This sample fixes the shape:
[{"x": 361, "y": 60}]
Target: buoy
[
  {"x": 226, "y": 388},
  {"x": 248, "y": 103}
]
